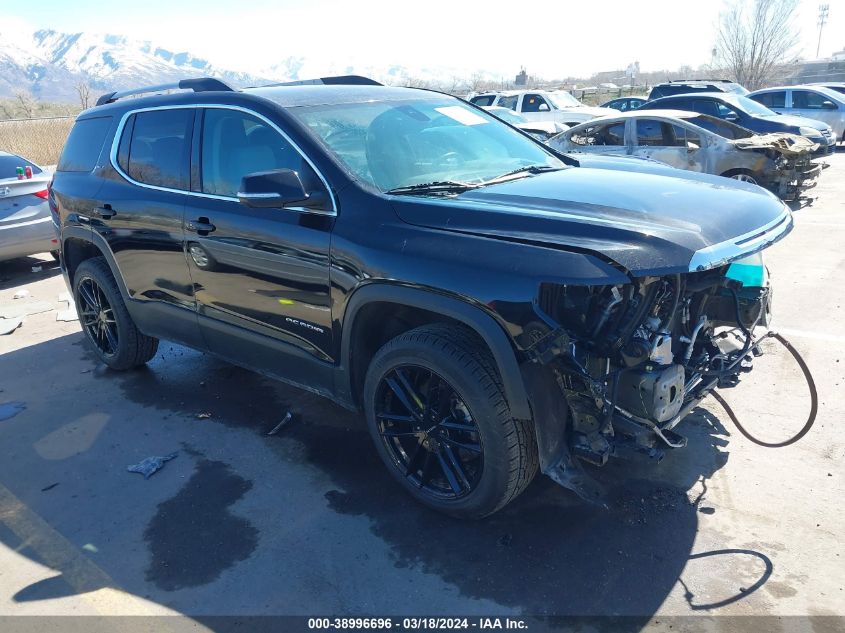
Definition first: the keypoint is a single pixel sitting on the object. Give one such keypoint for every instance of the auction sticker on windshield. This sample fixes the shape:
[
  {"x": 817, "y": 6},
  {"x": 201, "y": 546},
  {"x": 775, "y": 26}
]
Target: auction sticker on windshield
[{"x": 462, "y": 115}]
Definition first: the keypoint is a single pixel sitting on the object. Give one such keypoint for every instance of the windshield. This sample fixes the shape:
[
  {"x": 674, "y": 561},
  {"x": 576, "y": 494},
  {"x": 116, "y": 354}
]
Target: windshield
[
  {"x": 752, "y": 107},
  {"x": 391, "y": 144},
  {"x": 563, "y": 99}
]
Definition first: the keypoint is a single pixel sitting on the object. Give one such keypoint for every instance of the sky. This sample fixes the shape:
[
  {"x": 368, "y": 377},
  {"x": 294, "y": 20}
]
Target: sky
[{"x": 550, "y": 38}]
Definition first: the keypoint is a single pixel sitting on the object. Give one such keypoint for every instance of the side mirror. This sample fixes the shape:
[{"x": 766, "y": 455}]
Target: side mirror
[
  {"x": 543, "y": 108},
  {"x": 271, "y": 189},
  {"x": 691, "y": 147},
  {"x": 829, "y": 105}
]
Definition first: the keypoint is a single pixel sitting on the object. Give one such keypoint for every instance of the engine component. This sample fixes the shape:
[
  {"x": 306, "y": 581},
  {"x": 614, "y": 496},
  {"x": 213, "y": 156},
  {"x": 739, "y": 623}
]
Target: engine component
[
  {"x": 661, "y": 350},
  {"x": 656, "y": 393}
]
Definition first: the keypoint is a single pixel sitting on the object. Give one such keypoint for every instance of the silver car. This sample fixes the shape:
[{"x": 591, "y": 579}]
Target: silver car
[
  {"x": 779, "y": 162},
  {"x": 26, "y": 225},
  {"x": 812, "y": 101}
]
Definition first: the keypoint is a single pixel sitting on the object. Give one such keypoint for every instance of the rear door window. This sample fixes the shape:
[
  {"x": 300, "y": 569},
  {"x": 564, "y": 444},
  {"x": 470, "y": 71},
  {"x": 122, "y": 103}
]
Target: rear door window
[
  {"x": 772, "y": 99},
  {"x": 155, "y": 147},
  {"x": 705, "y": 106},
  {"x": 84, "y": 144},
  {"x": 650, "y": 133}
]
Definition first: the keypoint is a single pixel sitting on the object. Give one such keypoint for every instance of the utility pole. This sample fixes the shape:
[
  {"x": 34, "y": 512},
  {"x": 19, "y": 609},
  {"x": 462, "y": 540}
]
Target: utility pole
[{"x": 824, "y": 11}]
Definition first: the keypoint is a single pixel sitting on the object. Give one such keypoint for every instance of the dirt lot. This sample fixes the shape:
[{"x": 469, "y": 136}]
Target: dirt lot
[{"x": 307, "y": 521}]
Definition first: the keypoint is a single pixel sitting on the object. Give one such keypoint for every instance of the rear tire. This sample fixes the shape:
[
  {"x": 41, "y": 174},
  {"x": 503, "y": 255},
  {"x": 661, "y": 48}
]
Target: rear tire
[
  {"x": 105, "y": 320},
  {"x": 483, "y": 457}
]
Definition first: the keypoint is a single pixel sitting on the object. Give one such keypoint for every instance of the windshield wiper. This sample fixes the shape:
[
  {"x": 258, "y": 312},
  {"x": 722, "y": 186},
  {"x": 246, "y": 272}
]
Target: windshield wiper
[
  {"x": 522, "y": 171},
  {"x": 440, "y": 186}
]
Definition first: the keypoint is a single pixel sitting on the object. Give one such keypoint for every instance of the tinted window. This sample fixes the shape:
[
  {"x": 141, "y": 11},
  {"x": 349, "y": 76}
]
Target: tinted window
[
  {"x": 82, "y": 148},
  {"x": 9, "y": 165},
  {"x": 650, "y": 132},
  {"x": 608, "y": 134},
  {"x": 484, "y": 100},
  {"x": 806, "y": 100},
  {"x": 532, "y": 103},
  {"x": 726, "y": 112},
  {"x": 159, "y": 149},
  {"x": 235, "y": 144},
  {"x": 508, "y": 102},
  {"x": 705, "y": 106},
  {"x": 771, "y": 99}
]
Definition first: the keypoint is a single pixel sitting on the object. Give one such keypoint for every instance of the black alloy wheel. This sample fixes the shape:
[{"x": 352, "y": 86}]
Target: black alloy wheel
[
  {"x": 106, "y": 321},
  {"x": 437, "y": 412},
  {"x": 97, "y": 316},
  {"x": 429, "y": 432}
]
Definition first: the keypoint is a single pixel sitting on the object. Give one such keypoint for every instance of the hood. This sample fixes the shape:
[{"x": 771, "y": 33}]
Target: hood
[
  {"x": 796, "y": 121},
  {"x": 649, "y": 223},
  {"x": 593, "y": 111},
  {"x": 783, "y": 142},
  {"x": 549, "y": 127},
  {"x": 640, "y": 164}
]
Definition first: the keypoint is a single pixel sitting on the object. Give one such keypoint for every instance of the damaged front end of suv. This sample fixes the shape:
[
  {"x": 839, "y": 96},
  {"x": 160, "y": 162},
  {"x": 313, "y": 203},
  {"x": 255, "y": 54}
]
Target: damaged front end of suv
[{"x": 633, "y": 360}]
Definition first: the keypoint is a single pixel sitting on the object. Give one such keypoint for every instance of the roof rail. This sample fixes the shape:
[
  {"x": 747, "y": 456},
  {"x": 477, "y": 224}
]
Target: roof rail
[
  {"x": 340, "y": 80},
  {"x": 200, "y": 84},
  {"x": 686, "y": 81}
]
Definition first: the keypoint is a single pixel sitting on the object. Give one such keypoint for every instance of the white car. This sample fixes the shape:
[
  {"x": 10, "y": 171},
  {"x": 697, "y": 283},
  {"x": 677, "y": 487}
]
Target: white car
[
  {"x": 540, "y": 105},
  {"x": 541, "y": 130}
]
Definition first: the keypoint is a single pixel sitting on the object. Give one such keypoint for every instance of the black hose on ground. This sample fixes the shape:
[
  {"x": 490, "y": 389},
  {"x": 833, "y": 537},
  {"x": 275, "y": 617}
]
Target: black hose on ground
[{"x": 814, "y": 401}]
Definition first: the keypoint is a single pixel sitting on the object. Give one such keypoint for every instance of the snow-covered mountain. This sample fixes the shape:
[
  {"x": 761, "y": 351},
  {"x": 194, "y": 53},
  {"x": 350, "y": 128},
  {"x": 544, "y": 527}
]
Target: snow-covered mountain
[{"x": 50, "y": 65}]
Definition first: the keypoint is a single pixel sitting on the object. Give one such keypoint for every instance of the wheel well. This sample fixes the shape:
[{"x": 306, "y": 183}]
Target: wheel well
[
  {"x": 76, "y": 251},
  {"x": 735, "y": 172},
  {"x": 375, "y": 324}
]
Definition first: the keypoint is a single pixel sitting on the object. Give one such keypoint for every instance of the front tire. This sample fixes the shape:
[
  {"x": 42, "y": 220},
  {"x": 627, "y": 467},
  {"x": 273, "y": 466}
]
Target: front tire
[
  {"x": 437, "y": 413},
  {"x": 105, "y": 320}
]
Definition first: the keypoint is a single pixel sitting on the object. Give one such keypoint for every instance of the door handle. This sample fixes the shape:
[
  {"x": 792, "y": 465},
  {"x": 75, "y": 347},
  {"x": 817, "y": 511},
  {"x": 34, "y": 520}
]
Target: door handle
[
  {"x": 201, "y": 226},
  {"x": 105, "y": 212}
]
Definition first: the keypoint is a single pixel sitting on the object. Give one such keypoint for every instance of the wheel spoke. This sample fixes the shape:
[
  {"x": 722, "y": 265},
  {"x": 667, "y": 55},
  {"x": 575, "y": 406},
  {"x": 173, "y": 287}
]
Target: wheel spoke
[
  {"x": 395, "y": 417},
  {"x": 475, "y": 448},
  {"x": 112, "y": 339},
  {"x": 405, "y": 393},
  {"x": 456, "y": 464},
  {"x": 87, "y": 296},
  {"x": 451, "y": 423},
  {"x": 447, "y": 471}
]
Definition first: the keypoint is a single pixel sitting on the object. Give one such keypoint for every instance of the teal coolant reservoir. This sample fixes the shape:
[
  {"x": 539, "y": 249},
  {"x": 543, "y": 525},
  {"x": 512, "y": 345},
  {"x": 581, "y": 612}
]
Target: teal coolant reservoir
[{"x": 749, "y": 270}]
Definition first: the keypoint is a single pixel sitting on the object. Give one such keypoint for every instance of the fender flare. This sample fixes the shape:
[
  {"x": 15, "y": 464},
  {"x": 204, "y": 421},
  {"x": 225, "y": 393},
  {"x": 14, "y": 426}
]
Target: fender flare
[
  {"x": 482, "y": 323},
  {"x": 99, "y": 242}
]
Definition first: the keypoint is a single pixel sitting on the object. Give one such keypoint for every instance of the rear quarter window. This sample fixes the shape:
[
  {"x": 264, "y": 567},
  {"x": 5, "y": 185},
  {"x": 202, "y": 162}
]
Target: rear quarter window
[{"x": 84, "y": 144}]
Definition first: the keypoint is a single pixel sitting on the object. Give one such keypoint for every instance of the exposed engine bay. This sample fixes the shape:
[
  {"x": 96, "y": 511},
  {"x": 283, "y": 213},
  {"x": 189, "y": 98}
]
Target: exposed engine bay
[{"x": 636, "y": 359}]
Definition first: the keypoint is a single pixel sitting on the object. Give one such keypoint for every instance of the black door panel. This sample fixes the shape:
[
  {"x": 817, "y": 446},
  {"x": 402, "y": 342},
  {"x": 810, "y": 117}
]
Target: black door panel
[{"x": 262, "y": 269}]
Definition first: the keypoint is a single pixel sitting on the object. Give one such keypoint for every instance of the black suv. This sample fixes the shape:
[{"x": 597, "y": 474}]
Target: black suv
[
  {"x": 491, "y": 306},
  {"x": 687, "y": 86}
]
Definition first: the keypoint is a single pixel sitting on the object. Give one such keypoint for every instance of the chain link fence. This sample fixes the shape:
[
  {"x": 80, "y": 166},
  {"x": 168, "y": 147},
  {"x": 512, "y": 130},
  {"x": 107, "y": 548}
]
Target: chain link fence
[{"x": 38, "y": 140}]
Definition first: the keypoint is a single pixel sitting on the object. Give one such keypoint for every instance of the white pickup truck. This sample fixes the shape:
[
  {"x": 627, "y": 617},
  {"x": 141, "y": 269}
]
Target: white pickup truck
[{"x": 541, "y": 105}]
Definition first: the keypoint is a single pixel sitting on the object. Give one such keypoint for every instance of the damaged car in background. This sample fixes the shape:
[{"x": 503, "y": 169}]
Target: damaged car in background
[
  {"x": 780, "y": 162},
  {"x": 541, "y": 130},
  {"x": 514, "y": 311}
]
